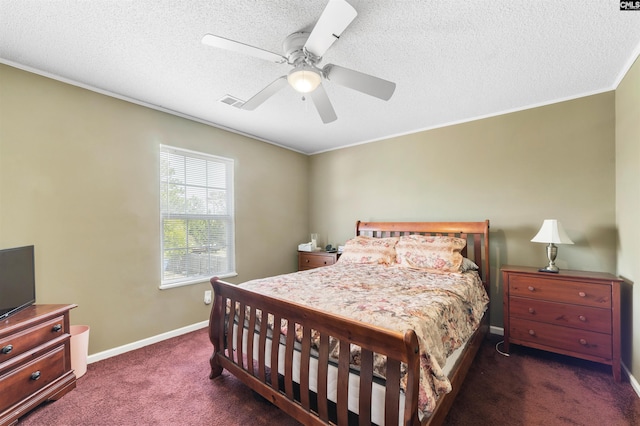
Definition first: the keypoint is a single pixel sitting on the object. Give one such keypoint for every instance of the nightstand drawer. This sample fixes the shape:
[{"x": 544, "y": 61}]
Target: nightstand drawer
[
  {"x": 559, "y": 290},
  {"x": 32, "y": 377},
  {"x": 310, "y": 260},
  {"x": 569, "y": 339},
  {"x": 576, "y": 316}
]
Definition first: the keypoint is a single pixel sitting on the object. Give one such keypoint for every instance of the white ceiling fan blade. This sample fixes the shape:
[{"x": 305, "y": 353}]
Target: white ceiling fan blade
[
  {"x": 323, "y": 105},
  {"x": 335, "y": 18},
  {"x": 361, "y": 82},
  {"x": 265, "y": 93},
  {"x": 236, "y": 46}
]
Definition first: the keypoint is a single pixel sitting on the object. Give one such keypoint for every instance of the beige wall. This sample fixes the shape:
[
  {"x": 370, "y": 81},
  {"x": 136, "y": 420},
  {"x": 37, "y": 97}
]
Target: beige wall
[
  {"x": 627, "y": 208},
  {"x": 552, "y": 162},
  {"x": 79, "y": 179}
]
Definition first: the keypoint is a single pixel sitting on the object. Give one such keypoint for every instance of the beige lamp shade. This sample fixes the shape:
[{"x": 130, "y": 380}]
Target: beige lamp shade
[{"x": 552, "y": 232}]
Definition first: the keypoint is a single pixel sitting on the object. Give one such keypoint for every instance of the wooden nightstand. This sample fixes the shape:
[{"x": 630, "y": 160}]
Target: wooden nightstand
[
  {"x": 315, "y": 259},
  {"x": 573, "y": 313}
]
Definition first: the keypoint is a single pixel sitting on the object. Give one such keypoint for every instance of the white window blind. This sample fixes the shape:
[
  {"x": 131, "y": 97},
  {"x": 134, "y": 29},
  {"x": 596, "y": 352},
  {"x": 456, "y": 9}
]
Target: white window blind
[{"x": 196, "y": 216}]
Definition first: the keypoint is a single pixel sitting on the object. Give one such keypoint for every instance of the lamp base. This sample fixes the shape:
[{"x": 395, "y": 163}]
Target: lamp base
[{"x": 552, "y": 251}]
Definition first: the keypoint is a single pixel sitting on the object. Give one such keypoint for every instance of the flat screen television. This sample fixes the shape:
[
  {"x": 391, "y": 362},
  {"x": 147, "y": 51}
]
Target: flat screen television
[{"x": 17, "y": 280}]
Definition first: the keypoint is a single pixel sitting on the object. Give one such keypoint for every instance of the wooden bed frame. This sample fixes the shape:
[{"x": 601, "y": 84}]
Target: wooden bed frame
[{"x": 314, "y": 408}]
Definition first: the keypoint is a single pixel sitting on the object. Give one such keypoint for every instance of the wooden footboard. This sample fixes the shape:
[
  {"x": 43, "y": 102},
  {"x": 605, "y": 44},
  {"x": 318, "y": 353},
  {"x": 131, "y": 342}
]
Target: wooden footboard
[{"x": 306, "y": 406}]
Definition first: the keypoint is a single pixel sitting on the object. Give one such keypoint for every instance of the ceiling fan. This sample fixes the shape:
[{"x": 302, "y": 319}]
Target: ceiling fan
[{"x": 304, "y": 52}]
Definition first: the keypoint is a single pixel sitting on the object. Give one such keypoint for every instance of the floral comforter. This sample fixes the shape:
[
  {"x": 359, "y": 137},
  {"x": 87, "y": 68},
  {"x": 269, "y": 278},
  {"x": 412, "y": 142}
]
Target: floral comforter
[{"x": 444, "y": 309}]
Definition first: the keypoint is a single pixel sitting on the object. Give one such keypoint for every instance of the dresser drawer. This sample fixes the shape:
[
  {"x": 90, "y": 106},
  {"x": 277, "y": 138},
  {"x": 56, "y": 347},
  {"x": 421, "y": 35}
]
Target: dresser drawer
[
  {"x": 559, "y": 290},
  {"x": 29, "y": 378},
  {"x": 565, "y": 338},
  {"x": 576, "y": 316},
  {"x": 315, "y": 260},
  {"x": 30, "y": 338}
]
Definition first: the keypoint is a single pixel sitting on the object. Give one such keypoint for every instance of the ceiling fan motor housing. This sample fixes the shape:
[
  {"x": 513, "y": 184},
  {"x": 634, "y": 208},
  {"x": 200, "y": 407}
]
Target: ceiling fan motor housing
[{"x": 295, "y": 52}]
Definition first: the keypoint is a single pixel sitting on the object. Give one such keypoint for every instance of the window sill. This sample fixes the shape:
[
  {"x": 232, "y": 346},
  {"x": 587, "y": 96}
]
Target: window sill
[{"x": 199, "y": 280}]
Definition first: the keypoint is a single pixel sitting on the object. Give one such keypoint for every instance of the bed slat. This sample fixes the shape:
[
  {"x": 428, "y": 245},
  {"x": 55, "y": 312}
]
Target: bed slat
[
  {"x": 277, "y": 324},
  {"x": 323, "y": 367},
  {"x": 343, "y": 382},
  {"x": 392, "y": 392},
  {"x": 250, "y": 339},
  {"x": 366, "y": 382},
  {"x": 239, "y": 335},
  {"x": 229, "y": 343},
  {"x": 262, "y": 345},
  {"x": 477, "y": 250},
  {"x": 305, "y": 356},
  {"x": 288, "y": 360}
]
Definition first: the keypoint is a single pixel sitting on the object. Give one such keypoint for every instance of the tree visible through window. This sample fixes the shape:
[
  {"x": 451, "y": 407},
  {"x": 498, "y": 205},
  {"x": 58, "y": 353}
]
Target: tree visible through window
[{"x": 196, "y": 215}]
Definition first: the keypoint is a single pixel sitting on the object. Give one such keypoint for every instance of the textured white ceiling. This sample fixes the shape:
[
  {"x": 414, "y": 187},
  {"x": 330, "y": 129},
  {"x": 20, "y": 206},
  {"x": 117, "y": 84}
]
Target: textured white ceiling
[{"x": 452, "y": 61}]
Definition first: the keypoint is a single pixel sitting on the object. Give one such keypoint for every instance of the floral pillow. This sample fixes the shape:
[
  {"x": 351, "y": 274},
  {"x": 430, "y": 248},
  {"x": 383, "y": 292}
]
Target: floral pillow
[
  {"x": 363, "y": 249},
  {"x": 438, "y": 253}
]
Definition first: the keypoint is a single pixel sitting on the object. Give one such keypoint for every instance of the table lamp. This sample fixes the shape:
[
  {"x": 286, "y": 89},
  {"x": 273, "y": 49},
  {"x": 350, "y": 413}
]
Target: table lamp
[{"x": 551, "y": 233}]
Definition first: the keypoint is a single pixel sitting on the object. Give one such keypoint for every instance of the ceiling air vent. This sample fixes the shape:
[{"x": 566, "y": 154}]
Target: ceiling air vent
[{"x": 230, "y": 100}]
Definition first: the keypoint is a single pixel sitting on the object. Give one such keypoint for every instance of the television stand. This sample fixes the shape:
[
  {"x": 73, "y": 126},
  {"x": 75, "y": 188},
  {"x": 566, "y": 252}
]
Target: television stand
[{"x": 35, "y": 359}]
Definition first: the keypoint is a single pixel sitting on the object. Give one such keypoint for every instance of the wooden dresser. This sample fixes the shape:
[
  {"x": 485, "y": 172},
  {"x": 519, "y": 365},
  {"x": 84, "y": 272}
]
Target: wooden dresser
[
  {"x": 315, "y": 259},
  {"x": 35, "y": 359},
  {"x": 573, "y": 313}
]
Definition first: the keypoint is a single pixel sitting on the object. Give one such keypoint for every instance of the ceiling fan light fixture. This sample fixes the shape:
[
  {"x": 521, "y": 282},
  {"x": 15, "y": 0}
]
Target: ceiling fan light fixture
[{"x": 304, "y": 79}]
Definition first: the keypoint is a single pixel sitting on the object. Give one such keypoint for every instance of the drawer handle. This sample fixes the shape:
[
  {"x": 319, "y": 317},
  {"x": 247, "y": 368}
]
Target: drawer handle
[
  {"x": 532, "y": 332},
  {"x": 583, "y": 342},
  {"x": 582, "y": 294},
  {"x": 35, "y": 375},
  {"x": 532, "y": 311},
  {"x": 56, "y": 328},
  {"x": 7, "y": 349},
  {"x": 531, "y": 288},
  {"x": 582, "y": 318},
  {"x": 306, "y": 260}
]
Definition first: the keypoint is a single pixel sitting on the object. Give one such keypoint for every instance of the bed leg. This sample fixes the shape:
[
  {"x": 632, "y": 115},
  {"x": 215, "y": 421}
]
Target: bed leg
[
  {"x": 216, "y": 329},
  {"x": 216, "y": 369}
]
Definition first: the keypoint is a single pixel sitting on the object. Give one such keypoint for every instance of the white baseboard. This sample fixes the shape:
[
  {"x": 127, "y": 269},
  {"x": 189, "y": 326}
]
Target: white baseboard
[
  {"x": 145, "y": 342},
  {"x": 498, "y": 331},
  {"x": 634, "y": 383}
]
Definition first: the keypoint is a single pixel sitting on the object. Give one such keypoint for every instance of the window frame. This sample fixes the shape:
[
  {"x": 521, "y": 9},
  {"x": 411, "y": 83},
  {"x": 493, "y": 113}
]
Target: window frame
[{"x": 165, "y": 214}]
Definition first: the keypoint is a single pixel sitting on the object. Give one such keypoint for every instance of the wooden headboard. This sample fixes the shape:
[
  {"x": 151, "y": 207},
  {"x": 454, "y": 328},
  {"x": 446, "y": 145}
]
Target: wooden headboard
[{"x": 476, "y": 234}]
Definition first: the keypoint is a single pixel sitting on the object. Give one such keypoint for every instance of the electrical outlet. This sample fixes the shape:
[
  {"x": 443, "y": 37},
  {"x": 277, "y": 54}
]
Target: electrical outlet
[{"x": 207, "y": 297}]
